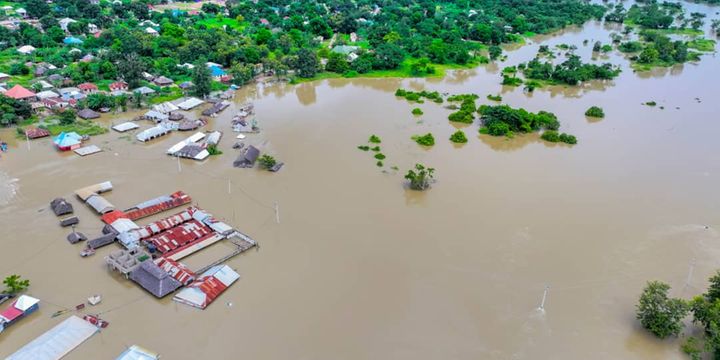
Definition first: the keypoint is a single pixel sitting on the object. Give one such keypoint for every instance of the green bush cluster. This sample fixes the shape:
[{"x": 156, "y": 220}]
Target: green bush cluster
[
  {"x": 502, "y": 120},
  {"x": 425, "y": 140},
  {"x": 417, "y": 96},
  {"x": 494, "y": 97},
  {"x": 417, "y": 111},
  {"x": 595, "y": 111},
  {"x": 458, "y": 137},
  {"x": 554, "y": 136}
]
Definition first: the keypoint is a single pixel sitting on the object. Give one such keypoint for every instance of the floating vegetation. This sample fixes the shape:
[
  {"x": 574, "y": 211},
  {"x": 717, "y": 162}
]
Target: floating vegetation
[
  {"x": 554, "y": 136},
  {"x": 374, "y": 139},
  {"x": 364, "y": 147},
  {"x": 380, "y": 156},
  {"x": 417, "y": 96},
  {"x": 494, "y": 97},
  {"x": 417, "y": 111},
  {"x": 651, "y": 103}
]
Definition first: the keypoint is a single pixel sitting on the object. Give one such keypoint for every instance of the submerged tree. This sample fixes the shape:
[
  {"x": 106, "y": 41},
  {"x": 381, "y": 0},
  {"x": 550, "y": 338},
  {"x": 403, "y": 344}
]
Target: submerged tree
[
  {"x": 202, "y": 80},
  {"x": 421, "y": 177},
  {"x": 14, "y": 284},
  {"x": 267, "y": 161},
  {"x": 659, "y": 314}
]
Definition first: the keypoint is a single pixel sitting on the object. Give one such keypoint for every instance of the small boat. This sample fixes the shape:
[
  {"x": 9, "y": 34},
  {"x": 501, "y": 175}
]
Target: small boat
[
  {"x": 94, "y": 300},
  {"x": 95, "y": 320},
  {"x": 87, "y": 252},
  {"x": 79, "y": 306}
]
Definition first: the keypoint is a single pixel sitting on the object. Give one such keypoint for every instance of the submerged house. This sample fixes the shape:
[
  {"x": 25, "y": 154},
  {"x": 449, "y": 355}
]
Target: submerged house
[
  {"x": 154, "y": 279},
  {"x": 203, "y": 291},
  {"x": 247, "y": 160},
  {"x": 19, "y": 309},
  {"x": 61, "y": 207},
  {"x": 88, "y": 114},
  {"x": 67, "y": 141}
]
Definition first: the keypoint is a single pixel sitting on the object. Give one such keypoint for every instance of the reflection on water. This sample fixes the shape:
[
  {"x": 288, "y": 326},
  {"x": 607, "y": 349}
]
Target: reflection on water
[{"x": 306, "y": 94}]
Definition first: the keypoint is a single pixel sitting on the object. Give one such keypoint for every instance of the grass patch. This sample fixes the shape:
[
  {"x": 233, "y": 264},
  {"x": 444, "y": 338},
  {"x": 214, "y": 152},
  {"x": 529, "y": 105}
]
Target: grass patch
[
  {"x": 701, "y": 44},
  {"x": 219, "y": 23},
  {"x": 82, "y": 127}
]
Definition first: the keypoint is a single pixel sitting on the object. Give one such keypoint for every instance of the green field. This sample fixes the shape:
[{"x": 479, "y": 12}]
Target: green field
[{"x": 219, "y": 23}]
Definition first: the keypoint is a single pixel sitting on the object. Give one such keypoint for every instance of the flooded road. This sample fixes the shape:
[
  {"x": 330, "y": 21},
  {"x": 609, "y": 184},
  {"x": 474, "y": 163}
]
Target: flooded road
[{"x": 361, "y": 268}]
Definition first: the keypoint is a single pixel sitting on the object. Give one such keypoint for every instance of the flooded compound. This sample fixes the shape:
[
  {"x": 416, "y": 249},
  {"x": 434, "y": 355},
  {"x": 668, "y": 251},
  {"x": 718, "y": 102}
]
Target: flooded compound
[{"x": 350, "y": 264}]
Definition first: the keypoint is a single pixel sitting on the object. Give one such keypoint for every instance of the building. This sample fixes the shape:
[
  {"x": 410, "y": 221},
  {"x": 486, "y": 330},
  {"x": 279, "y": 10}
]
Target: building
[
  {"x": 47, "y": 95},
  {"x": 67, "y": 141},
  {"x": 203, "y": 291},
  {"x": 155, "y": 116},
  {"x": 118, "y": 86},
  {"x": 88, "y": 88},
  {"x": 18, "y": 92},
  {"x": 154, "y": 279},
  {"x": 93, "y": 29},
  {"x": 99, "y": 204},
  {"x": 61, "y": 207},
  {"x": 247, "y": 159},
  {"x": 151, "y": 31},
  {"x": 71, "y": 40},
  {"x": 88, "y": 114},
  {"x": 36, "y": 133},
  {"x": 71, "y": 93},
  {"x": 58, "y": 341},
  {"x": 26, "y": 50},
  {"x": 216, "y": 72},
  {"x": 163, "y": 81},
  {"x": 64, "y": 22},
  {"x": 4, "y": 77},
  {"x": 87, "y": 58},
  {"x": 20, "y": 308},
  {"x": 153, "y": 133},
  {"x": 138, "y": 353},
  {"x": 144, "y": 90}
]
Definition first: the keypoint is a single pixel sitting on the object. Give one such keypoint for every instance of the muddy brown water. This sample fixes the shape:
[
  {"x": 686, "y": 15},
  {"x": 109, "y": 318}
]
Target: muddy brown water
[{"x": 360, "y": 267}]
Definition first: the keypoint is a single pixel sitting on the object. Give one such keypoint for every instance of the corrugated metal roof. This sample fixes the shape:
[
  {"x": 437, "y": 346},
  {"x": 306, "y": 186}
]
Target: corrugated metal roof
[
  {"x": 100, "y": 204},
  {"x": 137, "y": 353},
  {"x": 126, "y": 126},
  {"x": 88, "y": 191},
  {"x": 208, "y": 287},
  {"x": 58, "y": 341},
  {"x": 190, "y": 103}
]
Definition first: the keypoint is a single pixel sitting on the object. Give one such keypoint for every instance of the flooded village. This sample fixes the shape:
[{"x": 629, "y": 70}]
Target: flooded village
[{"x": 165, "y": 236}]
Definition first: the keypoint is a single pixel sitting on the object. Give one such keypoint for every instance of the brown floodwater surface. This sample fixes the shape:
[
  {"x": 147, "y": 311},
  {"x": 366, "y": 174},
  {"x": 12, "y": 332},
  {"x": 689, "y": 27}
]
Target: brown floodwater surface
[{"x": 359, "y": 267}]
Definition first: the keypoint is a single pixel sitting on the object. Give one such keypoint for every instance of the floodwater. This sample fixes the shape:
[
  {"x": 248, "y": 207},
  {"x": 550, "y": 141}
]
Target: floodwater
[{"x": 359, "y": 267}]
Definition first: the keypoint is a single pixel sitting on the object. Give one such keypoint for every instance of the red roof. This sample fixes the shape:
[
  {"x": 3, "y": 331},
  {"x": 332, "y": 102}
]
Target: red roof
[
  {"x": 19, "y": 92},
  {"x": 110, "y": 217},
  {"x": 87, "y": 86},
  {"x": 34, "y": 133},
  {"x": 118, "y": 85},
  {"x": 11, "y": 313}
]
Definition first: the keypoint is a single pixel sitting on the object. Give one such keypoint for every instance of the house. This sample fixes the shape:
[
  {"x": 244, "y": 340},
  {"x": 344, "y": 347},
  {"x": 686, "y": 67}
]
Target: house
[
  {"x": 55, "y": 78},
  {"x": 186, "y": 85},
  {"x": 216, "y": 72},
  {"x": 55, "y": 103},
  {"x": 153, "y": 279},
  {"x": 247, "y": 160},
  {"x": 149, "y": 23},
  {"x": 47, "y": 94},
  {"x": 18, "y": 92},
  {"x": 87, "y": 58},
  {"x": 21, "y": 12},
  {"x": 99, "y": 204},
  {"x": 61, "y": 207},
  {"x": 64, "y": 22},
  {"x": 88, "y": 114},
  {"x": 163, "y": 81},
  {"x": 151, "y": 31},
  {"x": 203, "y": 291},
  {"x": 44, "y": 85},
  {"x": 186, "y": 66},
  {"x": 88, "y": 88},
  {"x": 166, "y": 107},
  {"x": 264, "y": 22},
  {"x": 4, "y": 77},
  {"x": 36, "y": 133},
  {"x": 67, "y": 141},
  {"x": 144, "y": 90},
  {"x": 26, "y": 50},
  {"x": 148, "y": 76},
  {"x": 156, "y": 116},
  {"x": 118, "y": 86},
  {"x": 71, "y": 40},
  {"x": 71, "y": 93},
  {"x": 40, "y": 70},
  {"x": 20, "y": 308},
  {"x": 345, "y": 49},
  {"x": 93, "y": 29},
  {"x": 353, "y": 37},
  {"x": 153, "y": 133}
]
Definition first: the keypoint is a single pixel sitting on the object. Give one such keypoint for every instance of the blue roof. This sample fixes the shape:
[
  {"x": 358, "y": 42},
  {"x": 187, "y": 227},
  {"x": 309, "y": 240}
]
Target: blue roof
[
  {"x": 71, "y": 40},
  {"x": 67, "y": 139},
  {"x": 216, "y": 71}
]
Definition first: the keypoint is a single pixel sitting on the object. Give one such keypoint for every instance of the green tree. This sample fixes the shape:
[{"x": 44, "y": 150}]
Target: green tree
[
  {"x": 595, "y": 111},
  {"x": 658, "y": 313},
  {"x": 15, "y": 284},
  {"x": 420, "y": 177},
  {"x": 337, "y": 63},
  {"x": 131, "y": 68},
  {"x": 67, "y": 117},
  {"x": 266, "y": 161},
  {"x": 494, "y": 52},
  {"x": 458, "y": 137},
  {"x": 307, "y": 63},
  {"x": 202, "y": 79}
]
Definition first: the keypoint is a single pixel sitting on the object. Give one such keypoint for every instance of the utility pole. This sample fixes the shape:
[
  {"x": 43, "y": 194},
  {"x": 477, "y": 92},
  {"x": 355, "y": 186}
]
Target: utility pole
[
  {"x": 277, "y": 212},
  {"x": 544, "y": 297}
]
